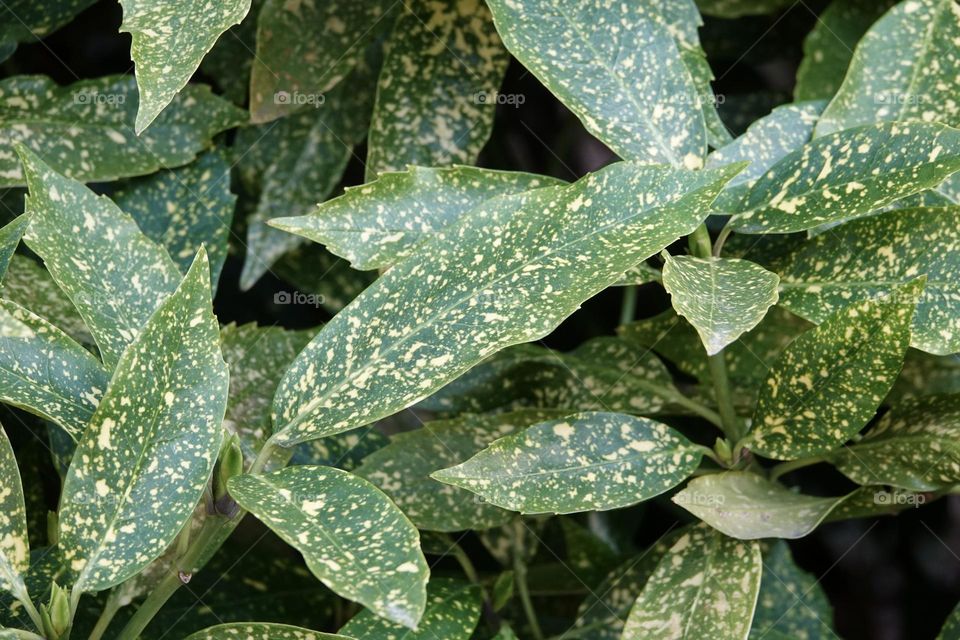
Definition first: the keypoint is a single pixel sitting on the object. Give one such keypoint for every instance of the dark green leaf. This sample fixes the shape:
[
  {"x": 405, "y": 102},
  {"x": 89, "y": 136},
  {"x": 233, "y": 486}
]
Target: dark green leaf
[
  {"x": 30, "y": 285},
  {"x": 261, "y": 631},
  {"x": 29, "y": 20},
  {"x": 14, "y": 544},
  {"x": 9, "y": 241}
]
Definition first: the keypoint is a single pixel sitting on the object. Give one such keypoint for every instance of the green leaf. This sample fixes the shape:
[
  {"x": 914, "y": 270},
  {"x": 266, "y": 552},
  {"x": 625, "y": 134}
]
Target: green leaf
[
  {"x": 848, "y": 173},
  {"x": 738, "y": 8},
  {"x": 29, "y": 20},
  {"x": 170, "y": 39},
  {"x": 43, "y": 371},
  {"x": 30, "y": 285},
  {"x": 261, "y": 631},
  {"x": 115, "y": 292},
  {"x": 743, "y": 505},
  {"x": 443, "y": 113},
  {"x": 873, "y": 256},
  {"x": 619, "y": 69},
  {"x": 305, "y": 49},
  {"x": 510, "y": 272},
  {"x": 180, "y": 209},
  {"x": 352, "y": 537},
  {"x": 829, "y": 382},
  {"x": 376, "y": 225},
  {"x": 913, "y": 447},
  {"x": 452, "y": 613},
  {"x": 914, "y": 83},
  {"x": 828, "y": 48},
  {"x": 791, "y": 601},
  {"x": 9, "y": 241},
  {"x": 97, "y": 116},
  {"x": 705, "y": 586},
  {"x": 144, "y": 460},
  {"x": 873, "y": 501},
  {"x": 723, "y": 298},
  {"x": 924, "y": 374},
  {"x": 14, "y": 544},
  {"x": 586, "y": 462},
  {"x": 344, "y": 450},
  {"x": 402, "y": 469}
]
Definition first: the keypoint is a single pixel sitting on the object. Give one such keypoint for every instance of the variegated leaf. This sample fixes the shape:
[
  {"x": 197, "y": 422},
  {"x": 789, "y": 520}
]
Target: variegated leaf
[
  {"x": 261, "y": 631},
  {"x": 29, "y": 20},
  {"x": 97, "y": 116},
  {"x": 460, "y": 299},
  {"x": 792, "y": 603},
  {"x": 170, "y": 37},
  {"x": 14, "y": 544},
  {"x": 849, "y": 173},
  {"x": 378, "y": 224},
  {"x": 924, "y": 374},
  {"x": 914, "y": 84},
  {"x": 352, "y": 537},
  {"x": 705, "y": 586},
  {"x": 866, "y": 258},
  {"x": 723, "y": 298},
  {"x": 145, "y": 459},
  {"x": 343, "y": 450},
  {"x": 9, "y": 241},
  {"x": 30, "y": 285},
  {"x": 828, "y": 383},
  {"x": 586, "y": 462},
  {"x": 744, "y": 505},
  {"x": 76, "y": 232}
]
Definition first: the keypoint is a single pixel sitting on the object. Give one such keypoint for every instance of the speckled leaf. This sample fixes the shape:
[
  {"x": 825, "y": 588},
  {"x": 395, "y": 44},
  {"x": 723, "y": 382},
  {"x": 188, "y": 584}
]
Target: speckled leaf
[
  {"x": 443, "y": 112},
  {"x": 453, "y": 610},
  {"x": 618, "y": 68},
  {"x": 791, "y": 602},
  {"x": 169, "y": 39},
  {"x": 723, "y": 298},
  {"x": 916, "y": 83},
  {"x": 738, "y": 8},
  {"x": 828, "y": 48},
  {"x": 180, "y": 209},
  {"x": 77, "y": 232},
  {"x": 30, "y": 285},
  {"x": 343, "y": 450},
  {"x": 874, "y": 255},
  {"x": 743, "y": 505},
  {"x": 304, "y": 49},
  {"x": 261, "y": 631},
  {"x": 828, "y": 383},
  {"x": 914, "y": 447},
  {"x": 924, "y": 374},
  {"x": 377, "y": 224},
  {"x": 30, "y": 20},
  {"x": 402, "y": 469},
  {"x": 9, "y": 241},
  {"x": 705, "y": 586},
  {"x": 14, "y": 544},
  {"x": 352, "y": 537},
  {"x": 144, "y": 460},
  {"x": 510, "y": 272},
  {"x": 848, "y": 173},
  {"x": 590, "y": 461},
  {"x": 43, "y": 371},
  {"x": 97, "y": 116}
]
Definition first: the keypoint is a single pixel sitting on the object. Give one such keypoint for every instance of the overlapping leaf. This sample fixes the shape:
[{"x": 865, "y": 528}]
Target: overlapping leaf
[
  {"x": 9, "y": 241},
  {"x": 509, "y": 273},
  {"x": 97, "y": 117},
  {"x": 30, "y": 20},
  {"x": 261, "y": 631},
  {"x": 343, "y": 450},
  {"x": 585, "y": 462},
  {"x": 792, "y": 603},
  {"x": 30, "y": 285},
  {"x": 14, "y": 545},
  {"x": 144, "y": 460},
  {"x": 352, "y": 537}
]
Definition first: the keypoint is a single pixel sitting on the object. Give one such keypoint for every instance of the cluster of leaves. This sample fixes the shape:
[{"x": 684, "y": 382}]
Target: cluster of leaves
[{"x": 817, "y": 297}]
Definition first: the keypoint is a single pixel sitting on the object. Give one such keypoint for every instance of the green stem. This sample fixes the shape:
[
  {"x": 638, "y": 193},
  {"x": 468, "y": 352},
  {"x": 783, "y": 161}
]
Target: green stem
[
  {"x": 520, "y": 577},
  {"x": 793, "y": 465},
  {"x": 678, "y": 398},
  {"x": 629, "y": 309},
  {"x": 110, "y": 609},
  {"x": 721, "y": 240},
  {"x": 31, "y": 610},
  {"x": 26, "y": 635},
  {"x": 490, "y": 615}
]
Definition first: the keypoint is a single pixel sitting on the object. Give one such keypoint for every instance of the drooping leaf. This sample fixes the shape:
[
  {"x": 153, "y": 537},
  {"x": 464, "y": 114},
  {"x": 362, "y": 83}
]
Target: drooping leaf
[
  {"x": 43, "y": 371},
  {"x": 14, "y": 544},
  {"x": 9, "y": 241},
  {"x": 723, "y": 298},
  {"x": 828, "y": 48},
  {"x": 586, "y": 462},
  {"x": 97, "y": 116},
  {"x": 30, "y": 285},
  {"x": 402, "y": 469},
  {"x": 170, "y": 39},
  {"x": 29, "y": 20},
  {"x": 443, "y": 113},
  {"x": 738, "y": 8},
  {"x": 305, "y": 49},
  {"x": 378, "y": 224},
  {"x": 260, "y": 631},
  {"x": 452, "y": 613},
  {"x": 870, "y": 257},
  {"x": 180, "y": 209},
  {"x": 848, "y": 173},
  {"x": 705, "y": 586},
  {"x": 914, "y": 84},
  {"x": 510, "y": 272},
  {"x": 619, "y": 69},
  {"x": 352, "y": 537},
  {"x": 791, "y": 602},
  {"x": 913, "y": 447},
  {"x": 829, "y": 382},
  {"x": 743, "y": 505},
  {"x": 144, "y": 460}
]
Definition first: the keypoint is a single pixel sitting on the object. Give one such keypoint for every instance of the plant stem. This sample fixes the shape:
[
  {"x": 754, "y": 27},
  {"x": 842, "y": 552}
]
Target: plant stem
[
  {"x": 520, "y": 576},
  {"x": 24, "y": 599},
  {"x": 721, "y": 240},
  {"x": 629, "y": 309},
  {"x": 26, "y": 635},
  {"x": 471, "y": 572},
  {"x": 110, "y": 609},
  {"x": 793, "y": 465},
  {"x": 695, "y": 407}
]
